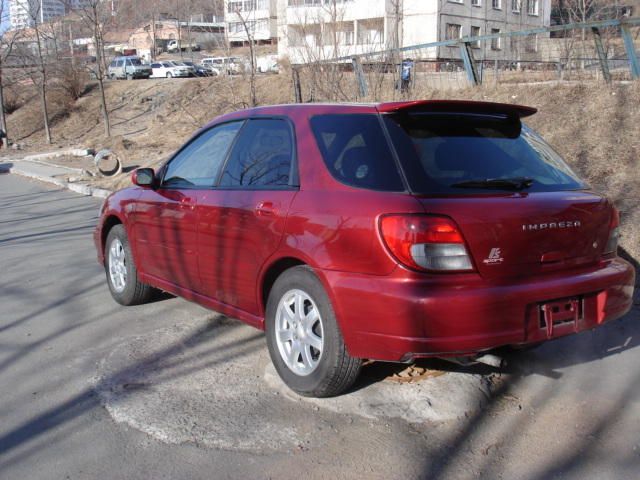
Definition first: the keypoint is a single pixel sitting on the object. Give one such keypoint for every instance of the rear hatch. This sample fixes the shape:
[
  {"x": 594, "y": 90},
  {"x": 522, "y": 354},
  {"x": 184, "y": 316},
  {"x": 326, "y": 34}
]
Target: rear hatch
[
  {"x": 526, "y": 234},
  {"x": 520, "y": 208}
]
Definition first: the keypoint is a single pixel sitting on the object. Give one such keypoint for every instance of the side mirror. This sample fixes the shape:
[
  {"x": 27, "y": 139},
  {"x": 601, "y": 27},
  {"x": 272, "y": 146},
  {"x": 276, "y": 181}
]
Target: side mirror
[{"x": 144, "y": 177}]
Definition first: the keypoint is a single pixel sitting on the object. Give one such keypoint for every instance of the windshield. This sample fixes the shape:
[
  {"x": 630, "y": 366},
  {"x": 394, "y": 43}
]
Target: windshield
[
  {"x": 135, "y": 61},
  {"x": 464, "y": 153}
]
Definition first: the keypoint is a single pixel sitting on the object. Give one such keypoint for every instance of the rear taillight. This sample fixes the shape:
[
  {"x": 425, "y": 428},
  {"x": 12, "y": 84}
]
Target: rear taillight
[
  {"x": 425, "y": 242},
  {"x": 614, "y": 232}
]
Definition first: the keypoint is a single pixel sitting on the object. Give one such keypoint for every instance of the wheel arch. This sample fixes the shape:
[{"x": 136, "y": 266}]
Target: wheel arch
[
  {"x": 109, "y": 222},
  {"x": 271, "y": 274}
]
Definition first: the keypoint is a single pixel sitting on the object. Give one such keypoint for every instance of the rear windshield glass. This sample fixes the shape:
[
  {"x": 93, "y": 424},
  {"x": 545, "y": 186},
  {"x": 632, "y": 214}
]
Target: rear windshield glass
[
  {"x": 449, "y": 153},
  {"x": 356, "y": 152}
]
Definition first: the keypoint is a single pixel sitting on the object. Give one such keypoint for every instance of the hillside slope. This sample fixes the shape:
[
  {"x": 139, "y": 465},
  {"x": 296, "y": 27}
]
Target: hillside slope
[{"x": 595, "y": 127}]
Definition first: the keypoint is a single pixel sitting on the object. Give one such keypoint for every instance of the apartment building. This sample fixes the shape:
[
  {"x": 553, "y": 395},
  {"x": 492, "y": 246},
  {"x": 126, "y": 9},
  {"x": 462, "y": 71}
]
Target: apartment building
[
  {"x": 257, "y": 17},
  {"x": 24, "y": 13},
  {"x": 322, "y": 29}
]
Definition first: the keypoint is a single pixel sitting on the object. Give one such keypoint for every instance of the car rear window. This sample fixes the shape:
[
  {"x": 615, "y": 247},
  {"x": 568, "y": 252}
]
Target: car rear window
[
  {"x": 438, "y": 152},
  {"x": 356, "y": 152}
]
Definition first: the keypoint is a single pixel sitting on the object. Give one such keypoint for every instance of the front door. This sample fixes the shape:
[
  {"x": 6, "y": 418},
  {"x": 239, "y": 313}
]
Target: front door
[{"x": 165, "y": 219}]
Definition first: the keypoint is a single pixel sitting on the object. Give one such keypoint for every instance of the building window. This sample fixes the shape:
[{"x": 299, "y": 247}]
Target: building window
[
  {"x": 371, "y": 31},
  {"x": 515, "y": 6},
  {"x": 456, "y": 1},
  {"x": 496, "y": 43},
  {"x": 532, "y": 7},
  {"x": 476, "y": 3},
  {"x": 531, "y": 44},
  {"x": 341, "y": 33},
  {"x": 496, "y": 4},
  {"x": 475, "y": 32},
  {"x": 453, "y": 31}
]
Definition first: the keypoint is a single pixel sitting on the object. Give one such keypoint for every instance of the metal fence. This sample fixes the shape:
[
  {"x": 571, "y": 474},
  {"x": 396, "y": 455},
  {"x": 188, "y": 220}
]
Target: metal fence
[{"x": 601, "y": 51}]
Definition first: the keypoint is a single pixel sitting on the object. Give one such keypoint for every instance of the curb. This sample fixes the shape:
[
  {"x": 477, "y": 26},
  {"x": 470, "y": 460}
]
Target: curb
[{"x": 74, "y": 187}]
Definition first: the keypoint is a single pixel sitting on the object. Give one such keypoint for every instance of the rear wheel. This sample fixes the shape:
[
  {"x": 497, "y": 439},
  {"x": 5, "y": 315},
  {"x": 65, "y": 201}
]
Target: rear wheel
[
  {"x": 305, "y": 343},
  {"x": 122, "y": 275}
]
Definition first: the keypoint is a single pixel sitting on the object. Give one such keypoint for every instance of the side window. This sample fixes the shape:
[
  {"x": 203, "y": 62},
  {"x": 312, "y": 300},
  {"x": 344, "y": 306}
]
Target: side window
[
  {"x": 113, "y": 64},
  {"x": 199, "y": 163},
  {"x": 261, "y": 157},
  {"x": 120, "y": 63},
  {"x": 155, "y": 65},
  {"x": 356, "y": 152}
]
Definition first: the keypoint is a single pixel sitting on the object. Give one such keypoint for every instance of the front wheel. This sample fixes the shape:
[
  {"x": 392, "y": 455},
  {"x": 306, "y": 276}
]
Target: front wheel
[
  {"x": 122, "y": 275},
  {"x": 169, "y": 75},
  {"x": 304, "y": 340}
]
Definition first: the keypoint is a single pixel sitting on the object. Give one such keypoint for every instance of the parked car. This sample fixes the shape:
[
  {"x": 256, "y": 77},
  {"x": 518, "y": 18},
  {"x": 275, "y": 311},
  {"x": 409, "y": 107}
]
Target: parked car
[
  {"x": 176, "y": 63},
  {"x": 129, "y": 68},
  {"x": 390, "y": 232},
  {"x": 199, "y": 70},
  {"x": 228, "y": 65},
  {"x": 168, "y": 70}
]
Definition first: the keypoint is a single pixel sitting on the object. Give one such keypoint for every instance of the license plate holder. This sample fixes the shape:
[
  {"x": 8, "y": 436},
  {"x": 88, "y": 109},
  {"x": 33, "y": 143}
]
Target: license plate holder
[{"x": 560, "y": 314}]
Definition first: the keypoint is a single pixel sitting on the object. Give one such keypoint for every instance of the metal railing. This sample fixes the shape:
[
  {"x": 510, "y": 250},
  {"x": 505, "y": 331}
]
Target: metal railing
[{"x": 596, "y": 64}]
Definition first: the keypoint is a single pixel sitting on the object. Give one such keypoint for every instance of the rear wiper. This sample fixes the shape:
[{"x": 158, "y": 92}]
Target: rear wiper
[{"x": 516, "y": 183}]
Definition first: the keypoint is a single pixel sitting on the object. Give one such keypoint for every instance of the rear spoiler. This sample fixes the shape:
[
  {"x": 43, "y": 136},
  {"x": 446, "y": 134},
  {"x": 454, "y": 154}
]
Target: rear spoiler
[{"x": 457, "y": 106}]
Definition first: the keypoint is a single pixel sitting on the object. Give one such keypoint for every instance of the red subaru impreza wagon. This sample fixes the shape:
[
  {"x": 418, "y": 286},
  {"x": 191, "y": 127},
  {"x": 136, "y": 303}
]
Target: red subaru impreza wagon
[{"x": 391, "y": 232}]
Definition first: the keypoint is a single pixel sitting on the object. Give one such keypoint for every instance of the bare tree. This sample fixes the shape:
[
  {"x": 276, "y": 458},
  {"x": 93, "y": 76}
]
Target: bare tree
[
  {"x": 252, "y": 58},
  {"x": 41, "y": 50},
  {"x": 94, "y": 15},
  {"x": 7, "y": 41}
]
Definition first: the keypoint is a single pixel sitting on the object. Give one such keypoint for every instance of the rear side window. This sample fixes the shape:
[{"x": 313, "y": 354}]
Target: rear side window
[
  {"x": 449, "y": 153},
  {"x": 356, "y": 152},
  {"x": 262, "y": 157},
  {"x": 198, "y": 164}
]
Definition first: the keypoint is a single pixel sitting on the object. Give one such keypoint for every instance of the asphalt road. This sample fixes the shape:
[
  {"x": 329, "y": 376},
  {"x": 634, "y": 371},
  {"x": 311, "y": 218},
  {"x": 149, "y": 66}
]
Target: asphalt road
[{"x": 569, "y": 409}]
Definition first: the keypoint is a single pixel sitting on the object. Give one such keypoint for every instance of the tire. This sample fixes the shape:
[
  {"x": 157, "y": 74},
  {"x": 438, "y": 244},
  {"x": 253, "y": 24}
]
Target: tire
[
  {"x": 169, "y": 75},
  {"x": 131, "y": 291},
  {"x": 324, "y": 370}
]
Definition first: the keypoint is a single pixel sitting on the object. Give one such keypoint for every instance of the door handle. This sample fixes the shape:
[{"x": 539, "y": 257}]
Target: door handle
[
  {"x": 265, "y": 209},
  {"x": 186, "y": 202}
]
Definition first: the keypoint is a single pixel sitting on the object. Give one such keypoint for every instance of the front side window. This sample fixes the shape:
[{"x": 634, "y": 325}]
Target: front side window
[
  {"x": 198, "y": 164},
  {"x": 262, "y": 157},
  {"x": 452, "y": 153},
  {"x": 356, "y": 152}
]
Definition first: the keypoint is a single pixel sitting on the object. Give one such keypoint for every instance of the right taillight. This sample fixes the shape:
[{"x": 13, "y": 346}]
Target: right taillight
[
  {"x": 425, "y": 242},
  {"x": 614, "y": 232}
]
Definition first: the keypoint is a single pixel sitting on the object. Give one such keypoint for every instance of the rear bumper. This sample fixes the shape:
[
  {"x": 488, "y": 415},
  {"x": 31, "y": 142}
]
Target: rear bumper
[{"x": 408, "y": 315}]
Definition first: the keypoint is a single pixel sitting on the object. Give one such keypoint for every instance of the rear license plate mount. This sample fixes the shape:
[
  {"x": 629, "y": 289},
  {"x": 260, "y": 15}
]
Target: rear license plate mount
[{"x": 562, "y": 313}]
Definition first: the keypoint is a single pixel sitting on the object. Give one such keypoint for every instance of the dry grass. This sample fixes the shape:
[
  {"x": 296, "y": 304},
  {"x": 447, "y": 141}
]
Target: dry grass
[{"x": 595, "y": 127}]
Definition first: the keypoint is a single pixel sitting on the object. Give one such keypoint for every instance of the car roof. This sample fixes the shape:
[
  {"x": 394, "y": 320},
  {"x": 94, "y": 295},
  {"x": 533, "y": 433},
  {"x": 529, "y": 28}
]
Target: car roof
[{"x": 418, "y": 106}]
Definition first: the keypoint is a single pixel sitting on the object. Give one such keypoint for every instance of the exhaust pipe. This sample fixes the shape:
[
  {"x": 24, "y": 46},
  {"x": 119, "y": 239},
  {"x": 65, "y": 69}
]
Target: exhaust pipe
[
  {"x": 491, "y": 360},
  {"x": 486, "y": 359}
]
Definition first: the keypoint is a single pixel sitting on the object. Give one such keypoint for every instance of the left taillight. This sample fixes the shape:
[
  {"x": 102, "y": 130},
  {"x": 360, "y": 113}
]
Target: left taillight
[
  {"x": 425, "y": 242},
  {"x": 614, "y": 232}
]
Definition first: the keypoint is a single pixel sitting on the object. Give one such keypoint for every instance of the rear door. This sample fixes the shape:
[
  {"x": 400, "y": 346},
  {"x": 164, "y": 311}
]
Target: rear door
[{"x": 242, "y": 221}]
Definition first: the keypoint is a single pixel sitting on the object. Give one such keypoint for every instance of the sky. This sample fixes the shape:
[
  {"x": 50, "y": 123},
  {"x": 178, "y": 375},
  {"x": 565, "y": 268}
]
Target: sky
[{"x": 5, "y": 16}]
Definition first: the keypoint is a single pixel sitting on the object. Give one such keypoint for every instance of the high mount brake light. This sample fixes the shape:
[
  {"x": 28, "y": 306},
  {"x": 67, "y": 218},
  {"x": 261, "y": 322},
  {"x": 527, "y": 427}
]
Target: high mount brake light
[
  {"x": 614, "y": 232},
  {"x": 425, "y": 242}
]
